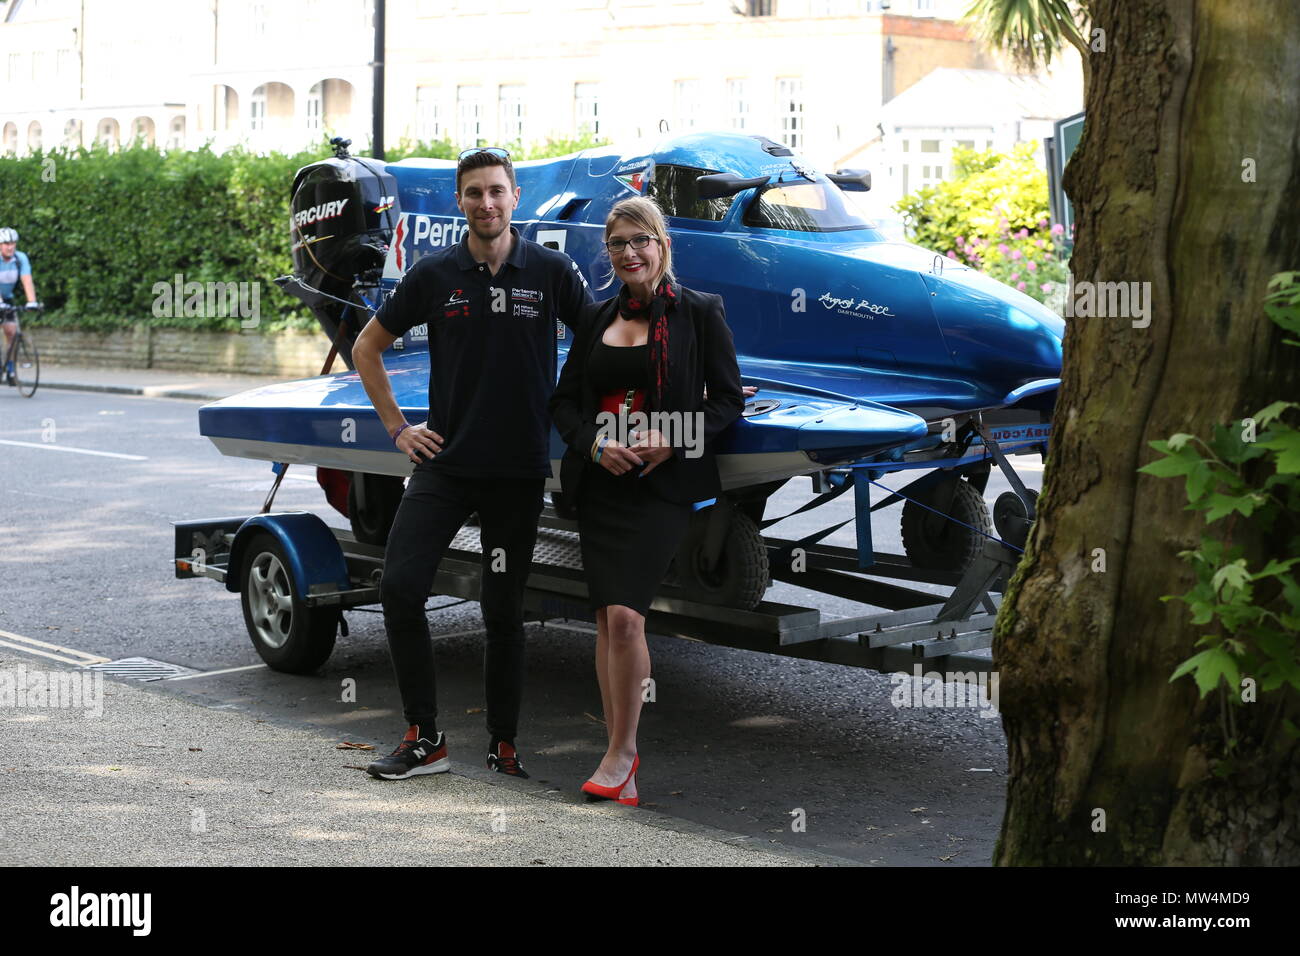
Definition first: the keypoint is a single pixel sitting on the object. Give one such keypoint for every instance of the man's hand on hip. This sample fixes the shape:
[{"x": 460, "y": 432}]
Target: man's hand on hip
[{"x": 418, "y": 440}]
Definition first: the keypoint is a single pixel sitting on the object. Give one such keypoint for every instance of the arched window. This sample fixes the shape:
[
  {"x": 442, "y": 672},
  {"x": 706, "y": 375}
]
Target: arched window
[
  {"x": 315, "y": 108},
  {"x": 34, "y": 137},
  {"x": 257, "y": 110},
  {"x": 108, "y": 132}
]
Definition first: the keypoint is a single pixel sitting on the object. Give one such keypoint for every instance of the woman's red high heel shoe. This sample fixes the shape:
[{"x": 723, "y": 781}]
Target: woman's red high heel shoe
[
  {"x": 595, "y": 791},
  {"x": 634, "y": 801}
]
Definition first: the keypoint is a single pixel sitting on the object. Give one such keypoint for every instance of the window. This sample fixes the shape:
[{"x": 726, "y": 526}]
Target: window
[
  {"x": 803, "y": 206},
  {"x": 469, "y": 115},
  {"x": 586, "y": 108},
  {"x": 315, "y": 106},
  {"x": 929, "y": 146},
  {"x": 428, "y": 115},
  {"x": 257, "y": 110},
  {"x": 176, "y": 135},
  {"x": 15, "y": 67},
  {"x": 38, "y": 65},
  {"x": 759, "y": 8},
  {"x": 677, "y": 193},
  {"x": 511, "y": 99},
  {"x": 789, "y": 108},
  {"x": 686, "y": 104},
  {"x": 966, "y": 143},
  {"x": 738, "y": 105}
]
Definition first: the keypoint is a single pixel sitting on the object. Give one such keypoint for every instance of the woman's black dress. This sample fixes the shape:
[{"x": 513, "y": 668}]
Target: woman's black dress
[{"x": 629, "y": 534}]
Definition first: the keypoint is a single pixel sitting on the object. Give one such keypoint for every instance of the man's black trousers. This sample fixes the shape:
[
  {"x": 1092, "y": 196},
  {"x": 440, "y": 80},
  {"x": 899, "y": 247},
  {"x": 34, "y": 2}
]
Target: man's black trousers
[{"x": 433, "y": 509}]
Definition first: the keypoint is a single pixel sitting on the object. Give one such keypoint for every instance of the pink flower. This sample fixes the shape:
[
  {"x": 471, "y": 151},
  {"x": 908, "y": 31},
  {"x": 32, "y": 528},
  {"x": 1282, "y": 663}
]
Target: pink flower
[
  {"x": 1016, "y": 253},
  {"x": 1023, "y": 234},
  {"x": 960, "y": 240},
  {"x": 951, "y": 254},
  {"x": 1046, "y": 287},
  {"x": 1002, "y": 248},
  {"x": 1042, "y": 222},
  {"x": 1033, "y": 266},
  {"x": 1058, "y": 229},
  {"x": 1020, "y": 286},
  {"x": 1040, "y": 244},
  {"x": 1013, "y": 277}
]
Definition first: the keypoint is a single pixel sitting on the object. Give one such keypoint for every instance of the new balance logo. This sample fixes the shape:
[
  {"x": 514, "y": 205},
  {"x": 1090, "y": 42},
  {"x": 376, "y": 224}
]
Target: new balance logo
[{"x": 419, "y": 752}]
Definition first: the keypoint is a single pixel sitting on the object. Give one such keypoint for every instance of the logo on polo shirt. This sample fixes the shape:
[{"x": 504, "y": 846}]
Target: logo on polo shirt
[{"x": 456, "y": 306}]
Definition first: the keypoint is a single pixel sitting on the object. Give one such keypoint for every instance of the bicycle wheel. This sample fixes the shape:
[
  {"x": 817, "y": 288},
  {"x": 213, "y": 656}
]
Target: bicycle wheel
[{"x": 27, "y": 366}]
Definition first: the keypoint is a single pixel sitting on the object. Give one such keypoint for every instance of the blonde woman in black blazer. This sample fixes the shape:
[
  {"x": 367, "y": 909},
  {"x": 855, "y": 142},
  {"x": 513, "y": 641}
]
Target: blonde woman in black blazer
[{"x": 652, "y": 348}]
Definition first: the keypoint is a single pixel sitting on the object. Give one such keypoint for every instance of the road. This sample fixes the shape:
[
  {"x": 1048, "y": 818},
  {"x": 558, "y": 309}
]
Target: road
[{"x": 799, "y": 752}]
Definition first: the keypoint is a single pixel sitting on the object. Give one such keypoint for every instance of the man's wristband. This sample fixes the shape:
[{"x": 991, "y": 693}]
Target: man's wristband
[
  {"x": 598, "y": 447},
  {"x": 398, "y": 430}
]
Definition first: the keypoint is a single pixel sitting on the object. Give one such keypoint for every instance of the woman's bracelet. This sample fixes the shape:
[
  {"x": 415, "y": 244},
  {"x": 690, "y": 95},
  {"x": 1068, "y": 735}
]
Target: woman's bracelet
[
  {"x": 398, "y": 430},
  {"x": 598, "y": 446}
]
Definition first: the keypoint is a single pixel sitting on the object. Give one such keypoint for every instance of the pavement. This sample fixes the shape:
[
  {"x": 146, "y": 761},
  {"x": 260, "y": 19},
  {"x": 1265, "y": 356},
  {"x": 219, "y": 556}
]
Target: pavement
[
  {"x": 146, "y": 777},
  {"x": 153, "y": 383},
  {"x": 136, "y": 775}
]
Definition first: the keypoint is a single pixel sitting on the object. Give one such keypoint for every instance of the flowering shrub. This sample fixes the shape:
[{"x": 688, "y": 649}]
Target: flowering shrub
[{"x": 992, "y": 215}]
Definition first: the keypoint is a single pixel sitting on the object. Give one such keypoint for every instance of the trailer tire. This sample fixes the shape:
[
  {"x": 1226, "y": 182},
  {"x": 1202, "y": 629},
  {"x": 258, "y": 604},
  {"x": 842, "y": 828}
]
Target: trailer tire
[
  {"x": 948, "y": 547},
  {"x": 288, "y": 635},
  {"x": 383, "y": 494},
  {"x": 741, "y": 575}
]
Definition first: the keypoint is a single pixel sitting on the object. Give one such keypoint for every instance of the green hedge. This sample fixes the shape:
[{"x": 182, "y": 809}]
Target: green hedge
[
  {"x": 101, "y": 228},
  {"x": 992, "y": 215}
]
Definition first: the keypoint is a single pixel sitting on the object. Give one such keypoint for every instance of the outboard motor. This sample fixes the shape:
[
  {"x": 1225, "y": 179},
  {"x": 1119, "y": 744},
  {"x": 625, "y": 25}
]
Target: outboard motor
[{"x": 342, "y": 216}]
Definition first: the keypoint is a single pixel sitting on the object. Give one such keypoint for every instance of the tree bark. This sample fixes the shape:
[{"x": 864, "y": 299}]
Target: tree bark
[{"x": 1186, "y": 91}]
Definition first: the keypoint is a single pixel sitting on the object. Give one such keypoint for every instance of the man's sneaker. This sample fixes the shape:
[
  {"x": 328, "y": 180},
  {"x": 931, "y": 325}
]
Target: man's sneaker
[
  {"x": 415, "y": 755},
  {"x": 506, "y": 760}
]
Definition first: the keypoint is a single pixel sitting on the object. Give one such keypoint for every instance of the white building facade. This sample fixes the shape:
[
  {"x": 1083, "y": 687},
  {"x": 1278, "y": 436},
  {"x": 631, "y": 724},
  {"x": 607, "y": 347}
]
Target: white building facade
[{"x": 815, "y": 74}]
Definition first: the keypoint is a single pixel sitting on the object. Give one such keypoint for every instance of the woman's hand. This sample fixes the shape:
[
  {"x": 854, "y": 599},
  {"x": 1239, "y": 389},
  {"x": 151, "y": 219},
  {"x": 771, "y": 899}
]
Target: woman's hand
[
  {"x": 747, "y": 390},
  {"x": 418, "y": 440},
  {"x": 652, "y": 447},
  {"x": 617, "y": 459}
]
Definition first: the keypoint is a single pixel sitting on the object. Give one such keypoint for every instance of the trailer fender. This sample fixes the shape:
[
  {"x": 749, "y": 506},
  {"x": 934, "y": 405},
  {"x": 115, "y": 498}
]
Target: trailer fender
[{"x": 315, "y": 558}]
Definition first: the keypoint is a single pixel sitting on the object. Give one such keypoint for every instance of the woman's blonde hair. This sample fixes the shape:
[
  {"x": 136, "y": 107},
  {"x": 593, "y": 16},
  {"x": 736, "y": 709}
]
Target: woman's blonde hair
[{"x": 644, "y": 213}]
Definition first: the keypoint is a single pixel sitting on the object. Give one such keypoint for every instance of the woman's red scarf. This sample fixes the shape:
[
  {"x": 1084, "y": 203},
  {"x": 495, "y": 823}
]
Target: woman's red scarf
[{"x": 664, "y": 298}]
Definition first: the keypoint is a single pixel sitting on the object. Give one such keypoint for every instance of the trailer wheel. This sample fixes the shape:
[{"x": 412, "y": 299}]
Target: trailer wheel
[
  {"x": 741, "y": 575},
  {"x": 372, "y": 521},
  {"x": 937, "y": 544},
  {"x": 288, "y": 635}
]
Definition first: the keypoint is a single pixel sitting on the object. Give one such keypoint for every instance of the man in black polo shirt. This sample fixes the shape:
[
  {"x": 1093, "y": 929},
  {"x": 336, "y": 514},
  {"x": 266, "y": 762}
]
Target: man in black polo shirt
[{"x": 491, "y": 304}]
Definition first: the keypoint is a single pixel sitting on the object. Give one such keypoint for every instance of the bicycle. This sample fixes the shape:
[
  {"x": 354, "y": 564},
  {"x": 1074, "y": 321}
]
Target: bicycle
[{"x": 22, "y": 364}]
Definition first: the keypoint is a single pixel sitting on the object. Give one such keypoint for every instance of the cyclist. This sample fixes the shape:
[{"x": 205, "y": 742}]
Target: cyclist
[{"x": 13, "y": 267}]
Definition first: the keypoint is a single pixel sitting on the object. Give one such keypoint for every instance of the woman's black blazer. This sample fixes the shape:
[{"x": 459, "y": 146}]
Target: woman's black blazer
[{"x": 700, "y": 352}]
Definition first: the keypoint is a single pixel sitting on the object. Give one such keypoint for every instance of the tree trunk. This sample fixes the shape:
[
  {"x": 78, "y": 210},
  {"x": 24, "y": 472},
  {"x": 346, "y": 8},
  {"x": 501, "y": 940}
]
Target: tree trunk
[{"x": 1184, "y": 93}]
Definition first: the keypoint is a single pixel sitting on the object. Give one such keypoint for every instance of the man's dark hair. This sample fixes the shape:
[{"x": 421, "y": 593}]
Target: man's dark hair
[{"x": 481, "y": 159}]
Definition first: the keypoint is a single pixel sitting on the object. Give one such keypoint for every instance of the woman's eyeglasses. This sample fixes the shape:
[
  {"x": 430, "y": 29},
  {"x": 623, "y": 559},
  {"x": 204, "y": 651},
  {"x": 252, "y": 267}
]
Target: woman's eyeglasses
[
  {"x": 474, "y": 151},
  {"x": 616, "y": 246}
]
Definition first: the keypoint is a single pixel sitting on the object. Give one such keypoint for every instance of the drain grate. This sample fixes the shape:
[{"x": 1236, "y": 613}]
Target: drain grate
[{"x": 142, "y": 668}]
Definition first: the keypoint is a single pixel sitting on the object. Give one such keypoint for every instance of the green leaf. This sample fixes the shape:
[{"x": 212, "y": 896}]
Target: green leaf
[
  {"x": 1271, "y": 412},
  {"x": 1208, "y": 668},
  {"x": 1220, "y": 505},
  {"x": 1286, "y": 442},
  {"x": 1176, "y": 442},
  {"x": 1234, "y": 576}
]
